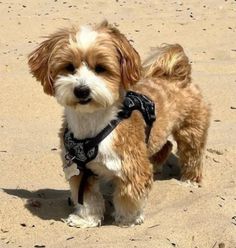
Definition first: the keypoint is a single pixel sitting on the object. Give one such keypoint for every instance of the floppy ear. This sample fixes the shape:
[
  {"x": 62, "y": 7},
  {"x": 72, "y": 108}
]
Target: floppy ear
[
  {"x": 129, "y": 58},
  {"x": 39, "y": 59},
  {"x": 39, "y": 65},
  {"x": 129, "y": 61}
]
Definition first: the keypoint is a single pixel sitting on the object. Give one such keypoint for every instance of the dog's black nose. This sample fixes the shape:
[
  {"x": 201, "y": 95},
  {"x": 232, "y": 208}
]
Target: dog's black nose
[{"x": 82, "y": 92}]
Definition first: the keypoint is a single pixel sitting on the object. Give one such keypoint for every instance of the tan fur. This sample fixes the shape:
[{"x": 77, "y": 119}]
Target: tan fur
[
  {"x": 180, "y": 110},
  {"x": 40, "y": 60},
  {"x": 53, "y": 54},
  {"x": 161, "y": 156},
  {"x": 136, "y": 181},
  {"x": 168, "y": 62},
  {"x": 129, "y": 58}
]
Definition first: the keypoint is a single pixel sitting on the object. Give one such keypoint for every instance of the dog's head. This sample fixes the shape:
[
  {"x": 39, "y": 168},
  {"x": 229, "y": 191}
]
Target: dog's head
[{"x": 86, "y": 68}]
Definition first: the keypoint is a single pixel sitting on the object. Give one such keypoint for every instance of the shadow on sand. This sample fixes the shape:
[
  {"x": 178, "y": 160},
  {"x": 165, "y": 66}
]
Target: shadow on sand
[
  {"x": 52, "y": 204},
  {"x": 47, "y": 204},
  {"x": 171, "y": 169}
]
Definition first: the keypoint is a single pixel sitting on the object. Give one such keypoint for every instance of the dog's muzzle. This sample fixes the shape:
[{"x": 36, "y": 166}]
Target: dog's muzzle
[{"x": 83, "y": 94}]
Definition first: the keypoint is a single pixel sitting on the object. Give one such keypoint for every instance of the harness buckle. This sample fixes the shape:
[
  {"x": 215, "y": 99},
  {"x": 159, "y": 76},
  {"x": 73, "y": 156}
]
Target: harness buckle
[{"x": 69, "y": 159}]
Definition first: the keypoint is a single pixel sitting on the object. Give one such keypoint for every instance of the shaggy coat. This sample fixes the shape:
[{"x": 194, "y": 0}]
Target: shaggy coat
[{"x": 102, "y": 60}]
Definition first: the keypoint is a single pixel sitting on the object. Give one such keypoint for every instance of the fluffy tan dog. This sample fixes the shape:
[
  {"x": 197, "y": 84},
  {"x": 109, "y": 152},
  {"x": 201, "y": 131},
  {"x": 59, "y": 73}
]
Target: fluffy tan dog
[{"x": 89, "y": 70}]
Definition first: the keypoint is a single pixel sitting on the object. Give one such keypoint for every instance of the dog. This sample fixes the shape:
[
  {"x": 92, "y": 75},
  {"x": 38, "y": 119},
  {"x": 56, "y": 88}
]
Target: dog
[{"x": 89, "y": 70}]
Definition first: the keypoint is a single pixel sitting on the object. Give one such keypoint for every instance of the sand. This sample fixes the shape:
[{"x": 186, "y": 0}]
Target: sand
[{"x": 33, "y": 194}]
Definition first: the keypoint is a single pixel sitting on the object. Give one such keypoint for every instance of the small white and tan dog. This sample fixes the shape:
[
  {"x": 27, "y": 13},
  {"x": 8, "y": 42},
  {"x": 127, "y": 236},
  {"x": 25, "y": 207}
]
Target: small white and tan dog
[{"x": 89, "y": 70}]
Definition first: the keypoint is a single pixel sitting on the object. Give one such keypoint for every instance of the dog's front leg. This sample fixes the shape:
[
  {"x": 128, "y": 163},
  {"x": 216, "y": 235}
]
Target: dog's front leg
[
  {"x": 90, "y": 214},
  {"x": 131, "y": 192}
]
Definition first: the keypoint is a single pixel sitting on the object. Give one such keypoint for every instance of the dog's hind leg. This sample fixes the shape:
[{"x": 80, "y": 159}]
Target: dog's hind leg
[{"x": 191, "y": 140}]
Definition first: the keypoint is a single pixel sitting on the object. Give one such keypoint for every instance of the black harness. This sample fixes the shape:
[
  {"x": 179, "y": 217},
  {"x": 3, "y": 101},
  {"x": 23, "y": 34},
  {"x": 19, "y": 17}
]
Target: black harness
[{"x": 83, "y": 151}]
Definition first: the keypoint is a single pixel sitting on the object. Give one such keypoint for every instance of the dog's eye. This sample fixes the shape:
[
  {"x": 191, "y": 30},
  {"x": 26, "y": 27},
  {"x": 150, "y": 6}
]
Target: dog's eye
[
  {"x": 100, "y": 69},
  {"x": 70, "y": 68}
]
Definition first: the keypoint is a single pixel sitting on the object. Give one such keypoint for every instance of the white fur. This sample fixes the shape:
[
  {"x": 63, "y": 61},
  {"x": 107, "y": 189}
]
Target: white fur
[
  {"x": 64, "y": 87},
  {"x": 86, "y": 37},
  {"x": 129, "y": 221},
  {"x": 85, "y": 124},
  {"x": 90, "y": 214},
  {"x": 71, "y": 171},
  {"x": 100, "y": 93},
  {"x": 122, "y": 218},
  {"x": 88, "y": 125},
  {"x": 107, "y": 154},
  {"x": 107, "y": 163},
  {"x": 76, "y": 221}
]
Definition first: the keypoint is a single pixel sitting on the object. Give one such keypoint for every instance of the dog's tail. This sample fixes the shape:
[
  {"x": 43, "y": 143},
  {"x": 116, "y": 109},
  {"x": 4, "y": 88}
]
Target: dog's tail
[{"x": 169, "y": 62}]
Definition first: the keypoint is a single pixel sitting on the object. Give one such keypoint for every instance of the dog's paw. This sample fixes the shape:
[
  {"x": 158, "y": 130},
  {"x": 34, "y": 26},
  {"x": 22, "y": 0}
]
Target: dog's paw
[
  {"x": 76, "y": 221},
  {"x": 189, "y": 183},
  {"x": 139, "y": 220},
  {"x": 129, "y": 222}
]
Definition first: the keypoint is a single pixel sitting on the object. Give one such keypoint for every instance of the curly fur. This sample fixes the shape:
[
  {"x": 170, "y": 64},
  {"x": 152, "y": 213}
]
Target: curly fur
[
  {"x": 181, "y": 110},
  {"x": 168, "y": 62},
  {"x": 123, "y": 158}
]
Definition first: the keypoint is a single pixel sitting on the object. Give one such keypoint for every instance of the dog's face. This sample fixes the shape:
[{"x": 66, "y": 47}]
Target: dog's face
[{"x": 86, "y": 68}]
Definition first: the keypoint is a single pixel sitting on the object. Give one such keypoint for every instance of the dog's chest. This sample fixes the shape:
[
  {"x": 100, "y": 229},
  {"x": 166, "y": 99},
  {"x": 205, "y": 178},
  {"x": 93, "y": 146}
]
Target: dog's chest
[{"x": 107, "y": 160}]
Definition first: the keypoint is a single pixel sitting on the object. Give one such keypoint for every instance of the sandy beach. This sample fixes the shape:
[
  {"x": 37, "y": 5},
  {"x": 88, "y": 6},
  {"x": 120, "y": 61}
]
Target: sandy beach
[{"x": 33, "y": 190}]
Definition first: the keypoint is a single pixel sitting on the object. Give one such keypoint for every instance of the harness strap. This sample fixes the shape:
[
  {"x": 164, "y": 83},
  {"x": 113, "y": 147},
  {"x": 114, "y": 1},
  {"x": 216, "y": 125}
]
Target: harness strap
[
  {"x": 86, "y": 174},
  {"x": 103, "y": 134},
  {"x": 133, "y": 101}
]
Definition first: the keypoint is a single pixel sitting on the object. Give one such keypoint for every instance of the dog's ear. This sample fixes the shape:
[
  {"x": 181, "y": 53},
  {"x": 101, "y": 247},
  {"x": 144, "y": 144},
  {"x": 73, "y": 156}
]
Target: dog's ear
[
  {"x": 39, "y": 65},
  {"x": 129, "y": 58},
  {"x": 39, "y": 59}
]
